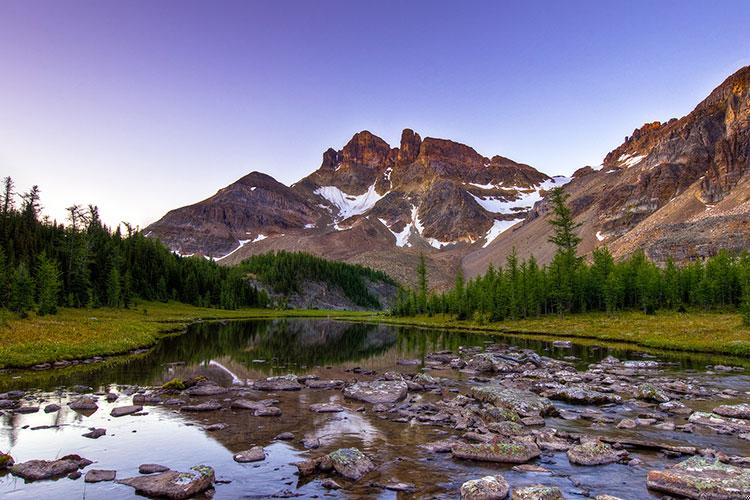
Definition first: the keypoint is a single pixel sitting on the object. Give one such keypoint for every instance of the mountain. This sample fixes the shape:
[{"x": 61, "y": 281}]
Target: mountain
[
  {"x": 368, "y": 203},
  {"x": 677, "y": 189}
]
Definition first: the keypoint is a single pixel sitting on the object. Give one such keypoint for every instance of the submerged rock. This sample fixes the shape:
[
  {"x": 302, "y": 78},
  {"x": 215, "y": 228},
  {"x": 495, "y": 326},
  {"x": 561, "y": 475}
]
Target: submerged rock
[
  {"x": 509, "y": 452},
  {"x": 172, "y": 484},
  {"x": 95, "y": 433},
  {"x": 36, "y": 470},
  {"x": 486, "y": 488},
  {"x": 211, "y": 405},
  {"x": 283, "y": 383},
  {"x": 254, "y": 454},
  {"x": 377, "y": 392},
  {"x": 537, "y": 492},
  {"x": 525, "y": 403},
  {"x": 702, "y": 478}
]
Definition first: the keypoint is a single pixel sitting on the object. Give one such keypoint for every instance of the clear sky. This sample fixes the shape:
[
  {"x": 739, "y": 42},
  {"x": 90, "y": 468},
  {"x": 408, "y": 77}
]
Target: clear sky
[{"x": 143, "y": 106}]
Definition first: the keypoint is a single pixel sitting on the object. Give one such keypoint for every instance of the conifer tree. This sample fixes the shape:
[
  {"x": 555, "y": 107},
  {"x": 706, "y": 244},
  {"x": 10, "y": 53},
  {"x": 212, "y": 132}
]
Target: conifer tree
[
  {"x": 22, "y": 292},
  {"x": 48, "y": 282}
]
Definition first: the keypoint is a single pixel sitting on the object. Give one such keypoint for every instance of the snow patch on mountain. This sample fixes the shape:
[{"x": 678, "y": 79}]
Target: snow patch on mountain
[
  {"x": 349, "y": 204},
  {"x": 524, "y": 200},
  {"x": 631, "y": 160},
  {"x": 499, "y": 227},
  {"x": 242, "y": 243}
]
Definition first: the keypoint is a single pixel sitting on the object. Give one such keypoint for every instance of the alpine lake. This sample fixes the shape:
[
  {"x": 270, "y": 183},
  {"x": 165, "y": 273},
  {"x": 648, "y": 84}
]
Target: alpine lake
[{"x": 428, "y": 409}]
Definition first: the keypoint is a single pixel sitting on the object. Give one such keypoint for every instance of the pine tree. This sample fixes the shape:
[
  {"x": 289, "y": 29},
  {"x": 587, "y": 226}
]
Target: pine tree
[
  {"x": 566, "y": 260},
  {"x": 114, "y": 288},
  {"x": 422, "y": 284},
  {"x": 22, "y": 291},
  {"x": 49, "y": 284}
]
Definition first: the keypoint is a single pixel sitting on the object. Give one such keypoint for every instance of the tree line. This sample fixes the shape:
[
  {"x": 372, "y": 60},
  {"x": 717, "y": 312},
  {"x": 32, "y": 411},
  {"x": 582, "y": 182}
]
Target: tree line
[
  {"x": 571, "y": 284},
  {"x": 45, "y": 264}
]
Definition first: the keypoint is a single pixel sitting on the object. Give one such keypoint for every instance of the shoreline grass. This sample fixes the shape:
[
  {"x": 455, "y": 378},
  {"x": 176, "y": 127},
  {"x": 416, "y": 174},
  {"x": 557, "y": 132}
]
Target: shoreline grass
[
  {"x": 83, "y": 333},
  {"x": 704, "y": 332}
]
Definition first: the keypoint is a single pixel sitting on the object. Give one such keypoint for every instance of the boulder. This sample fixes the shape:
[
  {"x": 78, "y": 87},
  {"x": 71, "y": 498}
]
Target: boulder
[
  {"x": 51, "y": 408},
  {"x": 702, "y": 478},
  {"x": 537, "y": 492},
  {"x": 84, "y": 404},
  {"x": 283, "y": 383},
  {"x": 121, "y": 411},
  {"x": 172, "y": 484},
  {"x": 377, "y": 392},
  {"x": 486, "y": 488},
  {"x": 509, "y": 452},
  {"x": 36, "y": 470},
  {"x": 593, "y": 452},
  {"x": 98, "y": 476},
  {"x": 351, "y": 463},
  {"x": 254, "y": 454},
  {"x": 525, "y": 403}
]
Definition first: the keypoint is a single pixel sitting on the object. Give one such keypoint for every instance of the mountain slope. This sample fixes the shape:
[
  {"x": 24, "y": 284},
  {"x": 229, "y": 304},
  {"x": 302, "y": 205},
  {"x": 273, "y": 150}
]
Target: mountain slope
[{"x": 679, "y": 189}]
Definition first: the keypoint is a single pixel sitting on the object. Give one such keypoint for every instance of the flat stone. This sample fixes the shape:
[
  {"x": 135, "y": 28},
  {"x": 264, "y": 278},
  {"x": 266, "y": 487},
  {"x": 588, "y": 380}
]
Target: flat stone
[
  {"x": 702, "y": 478},
  {"x": 486, "y": 488},
  {"x": 531, "y": 468},
  {"x": 284, "y": 436},
  {"x": 537, "y": 492},
  {"x": 98, "y": 476},
  {"x": 283, "y": 383},
  {"x": 36, "y": 470},
  {"x": 626, "y": 423},
  {"x": 326, "y": 408},
  {"x": 583, "y": 395},
  {"x": 734, "y": 411},
  {"x": 95, "y": 433},
  {"x": 121, "y": 411},
  {"x": 211, "y": 405},
  {"x": 151, "y": 468},
  {"x": 525, "y": 403},
  {"x": 377, "y": 392},
  {"x": 330, "y": 484},
  {"x": 351, "y": 463},
  {"x": 509, "y": 452},
  {"x": 324, "y": 384},
  {"x": 254, "y": 454},
  {"x": 649, "y": 392},
  {"x": 717, "y": 421},
  {"x": 26, "y": 409},
  {"x": 593, "y": 453},
  {"x": 172, "y": 484},
  {"x": 268, "y": 411}
]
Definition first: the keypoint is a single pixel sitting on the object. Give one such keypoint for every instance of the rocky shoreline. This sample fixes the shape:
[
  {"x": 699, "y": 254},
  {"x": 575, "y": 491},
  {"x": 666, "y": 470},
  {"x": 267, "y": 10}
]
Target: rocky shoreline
[{"x": 496, "y": 405}]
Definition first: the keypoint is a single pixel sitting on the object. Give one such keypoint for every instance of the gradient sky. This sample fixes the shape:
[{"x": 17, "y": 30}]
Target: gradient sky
[{"x": 143, "y": 106}]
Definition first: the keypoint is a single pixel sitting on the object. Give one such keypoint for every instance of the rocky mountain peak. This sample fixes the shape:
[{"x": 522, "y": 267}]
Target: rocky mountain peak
[
  {"x": 365, "y": 148},
  {"x": 409, "y": 148}
]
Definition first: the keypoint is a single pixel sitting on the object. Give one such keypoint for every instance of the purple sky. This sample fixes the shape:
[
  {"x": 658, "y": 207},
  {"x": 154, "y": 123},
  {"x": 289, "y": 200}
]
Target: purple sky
[{"x": 140, "y": 107}]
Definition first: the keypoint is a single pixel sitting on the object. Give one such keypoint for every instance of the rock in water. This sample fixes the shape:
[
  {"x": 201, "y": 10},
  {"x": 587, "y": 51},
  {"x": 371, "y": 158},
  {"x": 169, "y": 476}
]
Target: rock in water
[
  {"x": 254, "y": 454},
  {"x": 377, "y": 392},
  {"x": 505, "y": 452},
  {"x": 486, "y": 488},
  {"x": 702, "y": 478},
  {"x": 649, "y": 392},
  {"x": 537, "y": 492},
  {"x": 326, "y": 408},
  {"x": 351, "y": 463},
  {"x": 734, "y": 411},
  {"x": 84, "y": 404},
  {"x": 593, "y": 452},
  {"x": 6, "y": 461},
  {"x": 285, "y": 383},
  {"x": 36, "y": 470},
  {"x": 97, "y": 476},
  {"x": 208, "y": 389},
  {"x": 172, "y": 484},
  {"x": 151, "y": 468},
  {"x": 525, "y": 403},
  {"x": 121, "y": 411},
  {"x": 95, "y": 433}
]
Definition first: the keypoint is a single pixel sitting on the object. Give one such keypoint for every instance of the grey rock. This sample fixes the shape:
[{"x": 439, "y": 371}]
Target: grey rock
[
  {"x": 99, "y": 475},
  {"x": 172, "y": 484}
]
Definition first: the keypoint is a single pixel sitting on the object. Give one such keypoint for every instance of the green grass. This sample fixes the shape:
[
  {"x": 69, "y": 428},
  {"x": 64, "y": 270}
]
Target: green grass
[
  {"x": 83, "y": 333},
  {"x": 707, "y": 332}
]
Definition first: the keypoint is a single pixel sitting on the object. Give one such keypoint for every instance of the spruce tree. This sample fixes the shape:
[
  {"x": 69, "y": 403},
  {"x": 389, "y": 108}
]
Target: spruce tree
[
  {"x": 422, "y": 284},
  {"x": 49, "y": 284},
  {"x": 566, "y": 240},
  {"x": 22, "y": 292}
]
